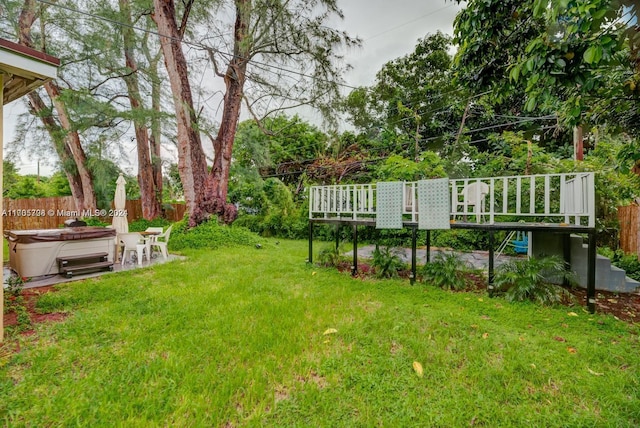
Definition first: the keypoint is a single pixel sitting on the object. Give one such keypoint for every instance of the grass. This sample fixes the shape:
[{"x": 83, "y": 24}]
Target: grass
[{"x": 234, "y": 337}]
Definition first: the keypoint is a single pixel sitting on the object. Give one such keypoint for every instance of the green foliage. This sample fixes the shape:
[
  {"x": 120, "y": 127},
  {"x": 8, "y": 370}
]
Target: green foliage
[
  {"x": 14, "y": 301},
  {"x": 95, "y": 221},
  {"x": 460, "y": 239},
  {"x": 268, "y": 208},
  {"x": 588, "y": 53},
  {"x": 142, "y": 224},
  {"x": 447, "y": 271},
  {"x": 387, "y": 262},
  {"x": 529, "y": 279},
  {"x": 615, "y": 184},
  {"x": 27, "y": 186},
  {"x": 59, "y": 184},
  {"x": 209, "y": 234},
  {"x": 14, "y": 285},
  {"x": 331, "y": 256},
  {"x": 512, "y": 154},
  {"x": 105, "y": 173},
  {"x": 410, "y": 99},
  {"x": 396, "y": 167},
  {"x": 287, "y": 140},
  {"x": 172, "y": 185}
]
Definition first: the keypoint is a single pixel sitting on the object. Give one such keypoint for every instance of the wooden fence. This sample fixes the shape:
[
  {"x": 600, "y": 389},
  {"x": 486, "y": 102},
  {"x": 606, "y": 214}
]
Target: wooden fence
[
  {"x": 51, "y": 213},
  {"x": 629, "y": 219}
]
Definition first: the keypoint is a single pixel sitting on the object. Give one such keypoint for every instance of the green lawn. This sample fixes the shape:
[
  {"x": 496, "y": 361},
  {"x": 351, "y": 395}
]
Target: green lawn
[{"x": 234, "y": 337}]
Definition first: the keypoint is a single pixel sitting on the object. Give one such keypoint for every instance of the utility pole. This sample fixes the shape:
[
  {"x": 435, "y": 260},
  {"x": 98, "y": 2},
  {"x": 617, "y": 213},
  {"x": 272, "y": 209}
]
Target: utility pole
[{"x": 578, "y": 145}]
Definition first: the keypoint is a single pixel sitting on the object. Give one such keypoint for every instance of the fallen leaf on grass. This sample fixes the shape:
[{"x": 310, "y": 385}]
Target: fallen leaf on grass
[
  {"x": 330, "y": 331},
  {"x": 417, "y": 367},
  {"x": 572, "y": 314},
  {"x": 594, "y": 373},
  {"x": 313, "y": 273},
  {"x": 571, "y": 350},
  {"x": 559, "y": 339},
  {"x": 485, "y": 335}
]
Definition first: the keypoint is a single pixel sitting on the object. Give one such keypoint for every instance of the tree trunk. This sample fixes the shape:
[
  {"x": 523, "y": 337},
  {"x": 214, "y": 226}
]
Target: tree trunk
[
  {"x": 72, "y": 141},
  {"x": 39, "y": 108},
  {"x": 156, "y": 131},
  {"x": 151, "y": 207},
  {"x": 191, "y": 159},
  {"x": 66, "y": 140},
  {"x": 218, "y": 179}
]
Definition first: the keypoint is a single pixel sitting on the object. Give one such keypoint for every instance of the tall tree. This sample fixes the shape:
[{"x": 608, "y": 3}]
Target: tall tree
[
  {"x": 147, "y": 145},
  {"x": 284, "y": 49},
  {"x": 191, "y": 159},
  {"x": 61, "y": 129},
  {"x": 591, "y": 52},
  {"x": 412, "y": 98},
  {"x": 492, "y": 36},
  {"x": 282, "y": 147}
]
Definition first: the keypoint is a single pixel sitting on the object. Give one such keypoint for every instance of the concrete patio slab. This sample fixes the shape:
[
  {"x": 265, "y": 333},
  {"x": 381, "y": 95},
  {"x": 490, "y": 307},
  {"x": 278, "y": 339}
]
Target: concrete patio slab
[{"x": 48, "y": 280}]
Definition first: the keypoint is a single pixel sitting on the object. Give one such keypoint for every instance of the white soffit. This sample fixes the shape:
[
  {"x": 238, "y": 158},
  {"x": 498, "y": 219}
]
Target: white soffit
[{"x": 24, "y": 69}]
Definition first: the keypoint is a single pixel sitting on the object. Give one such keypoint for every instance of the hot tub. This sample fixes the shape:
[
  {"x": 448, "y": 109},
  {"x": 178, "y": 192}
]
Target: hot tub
[{"x": 34, "y": 253}]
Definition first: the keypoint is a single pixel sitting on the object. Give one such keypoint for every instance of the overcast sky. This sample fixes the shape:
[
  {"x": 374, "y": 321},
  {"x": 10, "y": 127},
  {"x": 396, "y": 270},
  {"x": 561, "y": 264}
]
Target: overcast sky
[{"x": 389, "y": 29}]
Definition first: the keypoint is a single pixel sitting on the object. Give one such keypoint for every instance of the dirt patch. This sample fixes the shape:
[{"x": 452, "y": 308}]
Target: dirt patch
[{"x": 30, "y": 297}]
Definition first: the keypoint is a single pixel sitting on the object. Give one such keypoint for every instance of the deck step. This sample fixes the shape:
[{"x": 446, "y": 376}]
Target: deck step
[
  {"x": 81, "y": 259},
  {"x": 86, "y": 268}
]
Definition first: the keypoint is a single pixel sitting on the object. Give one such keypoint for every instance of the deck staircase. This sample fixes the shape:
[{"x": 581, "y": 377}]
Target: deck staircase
[
  {"x": 608, "y": 276},
  {"x": 86, "y": 263}
]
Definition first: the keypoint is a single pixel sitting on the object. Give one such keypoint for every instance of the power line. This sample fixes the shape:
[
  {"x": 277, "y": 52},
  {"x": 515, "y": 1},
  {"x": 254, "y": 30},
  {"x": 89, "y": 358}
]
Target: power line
[
  {"x": 193, "y": 44},
  {"x": 433, "y": 12}
]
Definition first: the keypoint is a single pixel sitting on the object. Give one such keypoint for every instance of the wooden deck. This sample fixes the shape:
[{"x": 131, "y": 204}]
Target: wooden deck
[{"x": 556, "y": 203}]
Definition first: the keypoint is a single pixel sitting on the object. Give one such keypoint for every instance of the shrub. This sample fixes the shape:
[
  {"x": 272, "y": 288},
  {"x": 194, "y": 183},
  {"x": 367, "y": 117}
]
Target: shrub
[
  {"x": 448, "y": 271},
  {"x": 331, "y": 256},
  {"x": 210, "y": 234},
  {"x": 529, "y": 279},
  {"x": 95, "y": 221},
  {"x": 387, "y": 262},
  {"x": 461, "y": 240},
  {"x": 14, "y": 285},
  {"x": 142, "y": 224}
]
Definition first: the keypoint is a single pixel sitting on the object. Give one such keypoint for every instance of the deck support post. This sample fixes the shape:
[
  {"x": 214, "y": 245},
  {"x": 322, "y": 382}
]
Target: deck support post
[
  {"x": 310, "y": 259},
  {"x": 591, "y": 273},
  {"x": 428, "y": 244},
  {"x": 354, "y": 267},
  {"x": 414, "y": 237},
  {"x": 491, "y": 245},
  {"x": 566, "y": 254},
  {"x": 337, "y": 235}
]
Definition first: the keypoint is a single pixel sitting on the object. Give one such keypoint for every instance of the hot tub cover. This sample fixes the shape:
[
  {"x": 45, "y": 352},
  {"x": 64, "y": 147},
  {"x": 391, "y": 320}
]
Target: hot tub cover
[{"x": 66, "y": 234}]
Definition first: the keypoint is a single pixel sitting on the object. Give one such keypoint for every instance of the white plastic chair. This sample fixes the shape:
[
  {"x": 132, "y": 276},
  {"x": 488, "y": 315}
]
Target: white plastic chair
[
  {"x": 161, "y": 241},
  {"x": 133, "y": 242},
  {"x": 474, "y": 195}
]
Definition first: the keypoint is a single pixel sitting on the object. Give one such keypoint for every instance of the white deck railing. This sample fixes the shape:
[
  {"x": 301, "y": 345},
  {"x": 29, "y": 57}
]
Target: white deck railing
[{"x": 551, "y": 198}]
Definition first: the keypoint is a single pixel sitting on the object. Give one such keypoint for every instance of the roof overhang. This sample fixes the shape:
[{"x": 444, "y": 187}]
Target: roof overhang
[{"x": 24, "y": 69}]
